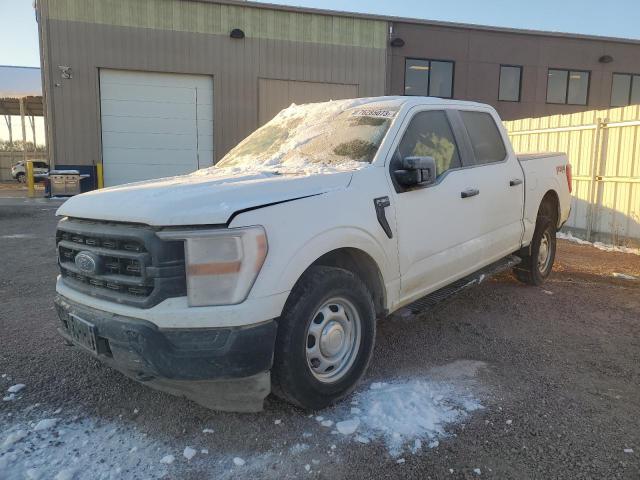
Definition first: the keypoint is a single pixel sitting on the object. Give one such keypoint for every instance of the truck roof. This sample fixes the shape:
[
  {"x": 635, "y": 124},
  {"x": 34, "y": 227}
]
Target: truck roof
[{"x": 412, "y": 100}]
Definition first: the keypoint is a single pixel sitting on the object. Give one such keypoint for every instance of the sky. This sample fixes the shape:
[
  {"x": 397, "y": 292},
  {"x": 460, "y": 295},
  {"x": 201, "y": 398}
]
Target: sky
[{"x": 614, "y": 18}]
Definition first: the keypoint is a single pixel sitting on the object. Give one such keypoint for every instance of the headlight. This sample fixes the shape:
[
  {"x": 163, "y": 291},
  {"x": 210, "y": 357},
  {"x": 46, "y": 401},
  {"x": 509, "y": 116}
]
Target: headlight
[{"x": 221, "y": 264}]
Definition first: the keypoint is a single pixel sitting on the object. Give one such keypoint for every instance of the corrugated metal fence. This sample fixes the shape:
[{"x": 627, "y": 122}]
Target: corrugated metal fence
[{"x": 604, "y": 150}]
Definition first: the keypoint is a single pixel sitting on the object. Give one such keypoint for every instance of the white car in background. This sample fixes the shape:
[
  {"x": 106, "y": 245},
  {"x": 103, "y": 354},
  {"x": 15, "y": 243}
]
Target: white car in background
[
  {"x": 268, "y": 272},
  {"x": 19, "y": 170}
]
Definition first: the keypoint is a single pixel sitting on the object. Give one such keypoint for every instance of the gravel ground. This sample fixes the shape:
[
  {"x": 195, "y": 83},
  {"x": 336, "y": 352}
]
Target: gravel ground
[{"x": 556, "y": 368}]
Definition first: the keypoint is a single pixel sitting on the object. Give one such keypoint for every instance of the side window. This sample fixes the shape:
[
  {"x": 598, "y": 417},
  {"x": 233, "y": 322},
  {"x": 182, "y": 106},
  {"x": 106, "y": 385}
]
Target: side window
[
  {"x": 485, "y": 137},
  {"x": 429, "y": 135}
]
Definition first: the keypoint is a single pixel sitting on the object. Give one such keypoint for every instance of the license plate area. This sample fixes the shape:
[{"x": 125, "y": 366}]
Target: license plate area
[{"x": 82, "y": 332}]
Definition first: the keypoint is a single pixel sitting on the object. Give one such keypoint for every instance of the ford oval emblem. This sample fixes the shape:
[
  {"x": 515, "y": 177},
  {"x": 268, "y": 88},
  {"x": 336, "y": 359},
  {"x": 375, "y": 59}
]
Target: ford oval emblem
[{"x": 87, "y": 262}]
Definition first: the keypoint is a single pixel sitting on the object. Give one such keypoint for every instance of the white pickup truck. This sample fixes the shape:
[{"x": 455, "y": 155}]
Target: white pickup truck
[{"x": 267, "y": 272}]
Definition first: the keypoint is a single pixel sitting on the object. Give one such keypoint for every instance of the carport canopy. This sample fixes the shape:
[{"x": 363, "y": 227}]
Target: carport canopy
[{"x": 21, "y": 95}]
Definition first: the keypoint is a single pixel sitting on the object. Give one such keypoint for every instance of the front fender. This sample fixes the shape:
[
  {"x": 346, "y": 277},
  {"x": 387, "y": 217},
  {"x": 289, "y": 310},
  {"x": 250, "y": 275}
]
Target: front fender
[{"x": 328, "y": 241}]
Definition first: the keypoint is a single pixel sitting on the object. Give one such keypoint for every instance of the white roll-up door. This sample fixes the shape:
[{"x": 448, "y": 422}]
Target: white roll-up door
[{"x": 154, "y": 124}]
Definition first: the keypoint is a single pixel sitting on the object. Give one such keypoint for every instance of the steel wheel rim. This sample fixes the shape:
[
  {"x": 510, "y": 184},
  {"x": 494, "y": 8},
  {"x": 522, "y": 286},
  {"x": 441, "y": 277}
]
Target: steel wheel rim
[
  {"x": 333, "y": 340},
  {"x": 544, "y": 252}
]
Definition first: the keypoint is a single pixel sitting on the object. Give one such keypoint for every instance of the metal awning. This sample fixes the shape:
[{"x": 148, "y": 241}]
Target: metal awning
[{"x": 20, "y": 83}]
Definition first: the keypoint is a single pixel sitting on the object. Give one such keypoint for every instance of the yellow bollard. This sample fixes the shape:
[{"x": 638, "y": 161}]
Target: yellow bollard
[
  {"x": 100, "y": 175},
  {"x": 30, "y": 182}
]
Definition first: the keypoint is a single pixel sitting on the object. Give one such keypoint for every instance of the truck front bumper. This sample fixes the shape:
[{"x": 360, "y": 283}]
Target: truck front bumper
[{"x": 220, "y": 368}]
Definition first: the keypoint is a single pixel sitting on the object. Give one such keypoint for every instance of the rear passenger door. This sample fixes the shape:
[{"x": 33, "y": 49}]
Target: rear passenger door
[{"x": 496, "y": 211}]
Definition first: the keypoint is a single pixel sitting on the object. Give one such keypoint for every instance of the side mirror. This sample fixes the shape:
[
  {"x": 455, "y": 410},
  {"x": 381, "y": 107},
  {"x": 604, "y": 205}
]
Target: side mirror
[{"x": 416, "y": 171}]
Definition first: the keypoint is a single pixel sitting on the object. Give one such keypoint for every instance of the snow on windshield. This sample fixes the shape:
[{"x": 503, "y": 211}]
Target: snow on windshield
[{"x": 331, "y": 136}]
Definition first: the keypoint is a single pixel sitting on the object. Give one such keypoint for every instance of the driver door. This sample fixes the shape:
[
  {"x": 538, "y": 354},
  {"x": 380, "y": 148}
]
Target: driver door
[{"x": 435, "y": 242}]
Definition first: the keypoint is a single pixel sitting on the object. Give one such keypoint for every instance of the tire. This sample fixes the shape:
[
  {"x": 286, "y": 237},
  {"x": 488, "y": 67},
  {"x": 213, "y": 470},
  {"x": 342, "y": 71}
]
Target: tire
[
  {"x": 329, "y": 317},
  {"x": 21, "y": 178},
  {"x": 536, "y": 266}
]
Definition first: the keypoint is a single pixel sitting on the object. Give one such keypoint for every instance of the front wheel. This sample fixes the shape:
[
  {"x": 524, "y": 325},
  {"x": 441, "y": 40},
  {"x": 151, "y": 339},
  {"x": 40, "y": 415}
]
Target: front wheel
[
  {"x": 536, "y": 267},
  {"x": 325, "y": 338},
  {"x": 21, "y": 178}
]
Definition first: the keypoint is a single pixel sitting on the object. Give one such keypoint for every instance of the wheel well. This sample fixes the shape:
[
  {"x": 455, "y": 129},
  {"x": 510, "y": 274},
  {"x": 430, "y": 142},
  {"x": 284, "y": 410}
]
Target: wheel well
[
  {"x": 550, "y": 205},
  {"x": 362, "y": 265}
]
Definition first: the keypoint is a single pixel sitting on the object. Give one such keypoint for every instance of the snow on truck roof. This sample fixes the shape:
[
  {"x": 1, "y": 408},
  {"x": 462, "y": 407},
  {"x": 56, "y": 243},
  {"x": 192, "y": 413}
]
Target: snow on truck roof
[{"x": 399, "y": 101}]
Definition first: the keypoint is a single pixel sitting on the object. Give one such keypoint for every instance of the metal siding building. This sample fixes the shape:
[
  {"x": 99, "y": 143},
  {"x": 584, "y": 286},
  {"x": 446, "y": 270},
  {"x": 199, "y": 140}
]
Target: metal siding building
[
  {"x": 159, "y": 86},
  {"x": 319, "y": 54}
]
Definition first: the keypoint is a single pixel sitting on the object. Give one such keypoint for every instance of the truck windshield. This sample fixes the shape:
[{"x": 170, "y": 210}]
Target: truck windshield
[{"x": 340, "y": 135}]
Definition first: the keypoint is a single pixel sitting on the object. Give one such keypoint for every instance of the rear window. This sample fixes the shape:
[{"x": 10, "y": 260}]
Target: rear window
[{"x": 486, "y": 140}]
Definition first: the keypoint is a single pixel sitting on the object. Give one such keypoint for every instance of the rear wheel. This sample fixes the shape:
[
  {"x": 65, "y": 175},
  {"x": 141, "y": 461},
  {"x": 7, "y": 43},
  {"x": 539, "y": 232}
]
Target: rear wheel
[
  {"x": 21, "y": 178},
  {"x": 325, "y": 338},
  {"x": 537, "y": 265}
]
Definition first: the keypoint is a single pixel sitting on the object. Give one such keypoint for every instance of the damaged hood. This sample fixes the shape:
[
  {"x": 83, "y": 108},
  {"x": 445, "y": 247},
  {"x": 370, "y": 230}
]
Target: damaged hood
[{"x": 207, "y": 197}]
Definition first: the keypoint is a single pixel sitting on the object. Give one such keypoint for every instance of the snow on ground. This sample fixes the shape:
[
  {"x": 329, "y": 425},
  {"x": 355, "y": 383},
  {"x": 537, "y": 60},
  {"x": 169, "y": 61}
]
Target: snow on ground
[
  {"x": 407, "y": 417},
  {"x": 599, "y": 245},
  {"x": 408, "y": 414},
  {"x": 36, "y": 446},
  {"x": 624, "y": 276}
]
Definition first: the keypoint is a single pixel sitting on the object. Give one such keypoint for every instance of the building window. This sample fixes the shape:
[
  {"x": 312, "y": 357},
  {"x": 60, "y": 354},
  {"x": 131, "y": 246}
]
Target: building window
[
  {"x": 429, "y": 78},
  {"x": 570, "y": 87},
  {"x": 510, "y": 83},
  {"x": 625, "y": 89}
]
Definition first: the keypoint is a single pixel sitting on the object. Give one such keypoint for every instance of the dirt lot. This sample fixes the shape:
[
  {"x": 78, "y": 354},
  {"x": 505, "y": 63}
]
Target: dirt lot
[{"x": 556, "y": 370}]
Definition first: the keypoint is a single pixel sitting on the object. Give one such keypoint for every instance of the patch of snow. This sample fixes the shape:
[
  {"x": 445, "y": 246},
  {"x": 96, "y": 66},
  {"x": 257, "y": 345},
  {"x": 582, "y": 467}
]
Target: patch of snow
[
  {"x": 509, "y": 422},
  {"x": 298, "y": 448},
  {"x": 204, "y": 451},
  {"x": 355, "y": 411},
  {"x": 9, "y": 398},
  {"x": 319, "y": 418},
  {"x": 326, "y": 423},
  {"x": 207, "y": 430},
  {"x": 45, "y": 424},
  {"x": 18, "y": 236},
  {"x": 167, "y": 459},
  {"x": 16, "y": 388},
  {"x": 417, "y": 445},
  {"x": 66, "y": 474},
  {"x": 477, "y": 471},
  {"x": 65, "y": 447},
  {"x": 624, "y": 276},
  {"x": 307, "y": 467},
  {"x": 405, "y": 414},
  {"x": 599, "y": 245},
  {"x": 628, "y": 450},
  {"x": 400, "y": 460},
  {"x": 278, "y": 422},
  {"x": 14, "y": 437},
  {"x": 189, "y": 453},
  {"x": 362, "y": 439},
  {"x": 347, "y": 427},
  {"x": 238, "y": 462}
]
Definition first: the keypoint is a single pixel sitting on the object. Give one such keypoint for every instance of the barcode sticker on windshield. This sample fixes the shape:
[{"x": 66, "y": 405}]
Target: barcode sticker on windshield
[{"x": 373, "y": 112}]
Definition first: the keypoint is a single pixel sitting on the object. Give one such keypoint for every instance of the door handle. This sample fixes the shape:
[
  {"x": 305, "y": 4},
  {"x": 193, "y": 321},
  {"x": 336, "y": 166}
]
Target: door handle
[
  {"x": 515, "y": 181},
  {"x": 469, "y": 192}
]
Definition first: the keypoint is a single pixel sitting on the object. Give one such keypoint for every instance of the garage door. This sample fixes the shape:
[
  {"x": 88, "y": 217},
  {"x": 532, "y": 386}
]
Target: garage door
[
  {"x": 154, "y": 124},
  {"x": 274, "y": 95}
]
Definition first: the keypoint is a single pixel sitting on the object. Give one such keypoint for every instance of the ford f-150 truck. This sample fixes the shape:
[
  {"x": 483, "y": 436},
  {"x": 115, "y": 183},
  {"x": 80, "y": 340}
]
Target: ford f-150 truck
[{"x": 267, "y": 272}]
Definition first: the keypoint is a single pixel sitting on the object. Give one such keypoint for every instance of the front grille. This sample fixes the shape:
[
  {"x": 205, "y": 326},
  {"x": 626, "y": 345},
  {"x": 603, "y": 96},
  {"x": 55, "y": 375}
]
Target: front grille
[{"x": 132, "y": 265}]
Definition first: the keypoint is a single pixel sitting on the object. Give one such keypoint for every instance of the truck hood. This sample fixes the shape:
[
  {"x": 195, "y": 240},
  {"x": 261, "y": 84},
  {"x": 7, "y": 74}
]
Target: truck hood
[{"x": 198, "y": 199}]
